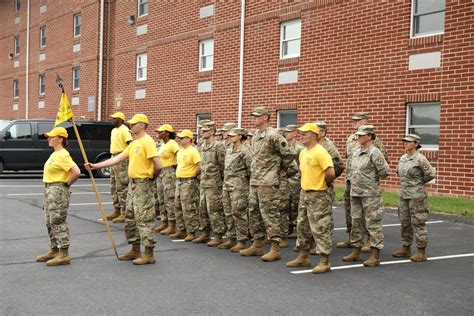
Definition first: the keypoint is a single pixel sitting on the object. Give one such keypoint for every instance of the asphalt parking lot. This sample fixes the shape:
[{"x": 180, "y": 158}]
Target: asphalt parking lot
[{"x": 196, "y": 279}]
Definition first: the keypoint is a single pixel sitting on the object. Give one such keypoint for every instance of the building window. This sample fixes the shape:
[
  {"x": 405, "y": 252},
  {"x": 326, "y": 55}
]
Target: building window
[
  {"x": 290, "y": 39},
  {"x": 287, "y": 117},
  {"x": 16, "y": 89},
  {"x": 16, "y": 45},
  {"x": 427, "y": 17},
  {"x": 77, "y": 24},
  {"x": 423, "y": 120},
  {"x": 17, "y": 5},
  {"x": 206, "y": 54},
  {"x": 42, "y": 86},
  {"x": 42, "y": 36},
  {"x": 142, "y": 7},
  {"x": 76, "y": 78},
  {"x": 141, "y": 66}
]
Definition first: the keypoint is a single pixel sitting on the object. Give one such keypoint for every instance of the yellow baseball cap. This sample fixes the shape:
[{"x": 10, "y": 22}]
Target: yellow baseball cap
[
  {"x": 165, "y": 128},
  {"x": 309, "y": 127},
  {"x": 119, "y": 115},
  {"x": 57, "y": 131},
  {"x": 139, "y": 118},
  {"x": 185, "y": 133}
]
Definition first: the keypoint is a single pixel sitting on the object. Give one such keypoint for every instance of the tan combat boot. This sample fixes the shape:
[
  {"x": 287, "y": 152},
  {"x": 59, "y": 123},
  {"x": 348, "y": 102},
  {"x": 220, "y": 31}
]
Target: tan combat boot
[
  {"x": 114, "y": 215},
  {"x": 419, "y": 256},
  {"x": 190, "y": 236},
  {"x": 48, "y": 256},
  {"x": 374, "y": 260},
  {"x": 353, "y": 256},
  {"x": 62, "y": 258},
  {"x": 133, "y": 254},
  {"x": 284, "y": 243},
  {"x": 366, "y": 247},
  {"x": 301, "y": 261},
  {"x": 180, "y": 234},
  {"x": 119, "y": 219},
  {"x": 255, "y": 250},
  {"x": 323, "y": 265},
  {"x": 203, "y": 238},
  {"x": 163, "y": 226},
  {"x": 403, "y": 252},
  {"x": 170, "y": 230},
  {"x": 344, "y": 244},
  {"x": 273, "y": 254},
  {"x": 216, "y": 241},
  {"x": 228, "y": 244},
  {"x": 240, "y": 246},
  {"x": 146, "y": 258}
]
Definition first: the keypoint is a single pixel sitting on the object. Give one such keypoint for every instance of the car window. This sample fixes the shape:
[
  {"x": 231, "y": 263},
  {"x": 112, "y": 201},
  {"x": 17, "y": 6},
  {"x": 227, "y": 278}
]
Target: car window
[
  {"x": 20, "y": 131},
  {"x": 44, "y": 128},
  {"x": 98, "y": 131}
]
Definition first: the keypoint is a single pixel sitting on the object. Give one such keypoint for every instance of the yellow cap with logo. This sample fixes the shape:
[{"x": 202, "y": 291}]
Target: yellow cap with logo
[
  {"x": 165, "y": 128},
  {"x": 309, "y": 127},
  {"x": 119, "y": 115},
  {"x": 57, "y": 131},
  {"x": 185, "y": 133},
  {"x": 139, "y": 118}
]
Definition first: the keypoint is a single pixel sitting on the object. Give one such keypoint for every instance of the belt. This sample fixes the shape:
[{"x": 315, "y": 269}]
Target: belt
[
  {"x": 56, "y": 184},
  {"x": 309, "y": 191},
  {"x": 186, "y": 179},
  {"x": 139, "y": 180}
]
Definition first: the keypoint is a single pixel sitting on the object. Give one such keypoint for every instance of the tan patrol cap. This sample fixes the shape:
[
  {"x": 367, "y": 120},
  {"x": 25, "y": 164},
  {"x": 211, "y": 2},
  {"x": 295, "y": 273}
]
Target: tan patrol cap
[
  {"x": 366, "y": 130},
  {"x": 360, "y": 116},
  {"x": 259, "y": 111},
  {"x": 412, "y": 138},
  {"x": 237, "y": 131},
  {"x": 208, "y": 126},
  {"x": 322, "y": 125},
  {"x": 228, "y": 126},
  {"x": 291, "y": 128}
]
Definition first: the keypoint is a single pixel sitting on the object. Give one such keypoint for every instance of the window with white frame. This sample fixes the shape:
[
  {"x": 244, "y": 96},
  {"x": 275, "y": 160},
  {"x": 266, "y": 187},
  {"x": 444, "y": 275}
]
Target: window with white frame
[
  {"x": 287, "y": 117},
  {"x": 16, "y": 44},
  {"x": 76, "y": 78},
  {"x": 427, "y": 17},
  {"x": 142, "y": 7},
  {"x": 16, "y": 89},
  {"x": 141, "y": 66},
  {"x": 17, "y": 5},
  {"x": 42, "y": 84},
  {"x": 77, "y": 21},
  {"x": 206, "y": 54},
  {"x": 423, "y": 120},
  {"x": 290, "y": 39},
  {"x": 42, "y": 36}
]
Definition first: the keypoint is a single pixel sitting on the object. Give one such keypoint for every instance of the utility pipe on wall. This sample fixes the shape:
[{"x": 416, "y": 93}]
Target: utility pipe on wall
[
  {"x": 27, "y": 60},
  {"x": 241, "y": 69},
  {"x": 101, "y": 63}
]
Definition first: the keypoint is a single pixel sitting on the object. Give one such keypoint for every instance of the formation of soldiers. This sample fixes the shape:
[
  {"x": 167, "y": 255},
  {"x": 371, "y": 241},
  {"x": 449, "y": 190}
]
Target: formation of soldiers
[{"x": 262, "y": 185}]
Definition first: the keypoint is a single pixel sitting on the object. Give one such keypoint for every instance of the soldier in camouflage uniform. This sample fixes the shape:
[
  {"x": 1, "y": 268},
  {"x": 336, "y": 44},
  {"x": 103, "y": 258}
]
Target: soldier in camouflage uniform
[
  {"x": 414, "y": 171},
  {"x": 225, "y": 131},
  {"x": 211, "y": 210},
  {"x": 352, "y": 144},
  {"x": 271, "y": 157},
  {"x": 143, "y": 168},
  {"x": 236, "y": 188},
  {"x": 60, "y": 171},
  {"x": 315, "y": 209},
  {"x": 218, "y": 136},
  {"x": 368, "y": 167},
  {"x": 159, "y": 197}
]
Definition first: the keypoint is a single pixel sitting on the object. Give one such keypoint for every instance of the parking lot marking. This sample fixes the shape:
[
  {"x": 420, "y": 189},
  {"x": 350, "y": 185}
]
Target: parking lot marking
[
  {"x": 178, "y": 240},
  {"x": 351, "y": 266},
  {"x": 393, "y": 225},
  {"x": 74, "y": 193},
  {"x": 80, "y": 204}
]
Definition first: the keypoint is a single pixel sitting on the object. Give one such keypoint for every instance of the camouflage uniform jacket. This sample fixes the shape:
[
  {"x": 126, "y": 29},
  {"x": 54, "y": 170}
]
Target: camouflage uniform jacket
[
  {"x": 212, "y": 163},
  {"x": 368, "y": 167},
  {"x": 352, "y": 145},
  {"x": 270, "y": 155},
  {"x": 414, "y": 171},
  {"x": 237, "y": 168},
  {"x": 294, "y": 169},
  {"x": 331, "y": 148}
]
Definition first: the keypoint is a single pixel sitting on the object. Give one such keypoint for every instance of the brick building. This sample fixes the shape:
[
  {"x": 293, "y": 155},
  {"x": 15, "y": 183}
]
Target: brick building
[{"x": 410, "y": 63}]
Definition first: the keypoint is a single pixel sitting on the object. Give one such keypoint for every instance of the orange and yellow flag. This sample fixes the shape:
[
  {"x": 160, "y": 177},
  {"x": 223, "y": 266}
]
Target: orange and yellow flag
[{"x": 64, "y": 112}]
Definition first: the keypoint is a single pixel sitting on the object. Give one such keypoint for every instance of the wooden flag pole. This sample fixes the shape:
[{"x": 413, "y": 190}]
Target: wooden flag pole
[{"x": 91, "y": 176}]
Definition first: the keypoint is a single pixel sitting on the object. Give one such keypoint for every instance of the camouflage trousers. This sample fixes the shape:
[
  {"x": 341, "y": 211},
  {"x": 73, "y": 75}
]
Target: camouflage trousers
[
  {"x": 140, "y": 213},
  {"x": 238, "y": 200},
  {"x": 211, "y": 210},
  {"x": 413, "y": 214},
  {"x": 347, "y": 207},
  {"x": 169, "y": 187},
  {"x": 315, "y": 221},
  {"x": 264, "y": 215},
  {"x": 228, "y": 218},
  {"x": 159, "y": 199},
  {"x": 284, "y": 207},
  {"x": 186, "y": 203},
  {"x": 55, "y": 205},
  {"x": 369, "y": 208},
  {"x": 295, "y": 188},
  {"x": 119, "y": 185}
]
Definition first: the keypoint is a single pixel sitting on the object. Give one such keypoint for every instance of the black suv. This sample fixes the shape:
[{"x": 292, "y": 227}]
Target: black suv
[{"x": 24, "y": 147}]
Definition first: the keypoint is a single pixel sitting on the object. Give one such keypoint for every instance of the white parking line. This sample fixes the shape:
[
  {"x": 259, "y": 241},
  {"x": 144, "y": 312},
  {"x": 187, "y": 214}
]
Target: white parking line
[
  {"x": 393, "y": 225},
  {"x": 42, "y": 186},
  {"x": 80, "y": 204},
  {"x": 178, "y": 240},
  {"x": 74, "y": 193},
  {"x": 351, "y": 266}
]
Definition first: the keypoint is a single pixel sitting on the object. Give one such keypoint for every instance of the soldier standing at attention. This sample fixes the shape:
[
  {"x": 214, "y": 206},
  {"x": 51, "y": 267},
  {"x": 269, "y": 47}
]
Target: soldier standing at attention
[
  {"x": 144, "y": 166},
  {"x": 167, "y": 154},
  {"x": 271, "y": 157},
  {"x": 225, "y": 131},
  {"x": 315, "y": 210},
  {"x": 120, "y": 137},
  {"x": 59, "y": 173},
  {"x": 186, "y": 199},
  {"x": 414, "y": 171},
  {"x": 368, "y": 167}
]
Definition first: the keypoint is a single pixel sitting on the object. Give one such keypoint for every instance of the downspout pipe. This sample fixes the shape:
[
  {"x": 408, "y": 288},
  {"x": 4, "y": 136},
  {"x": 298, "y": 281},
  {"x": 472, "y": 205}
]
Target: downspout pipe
[
  {"x": 27, "y": 60},
  {"x": 101, "y": 61},
  {"x": 241, "y": 69}
]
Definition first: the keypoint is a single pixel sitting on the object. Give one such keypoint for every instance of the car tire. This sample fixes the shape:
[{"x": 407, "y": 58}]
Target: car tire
[{"x": 103, "y": 172}]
